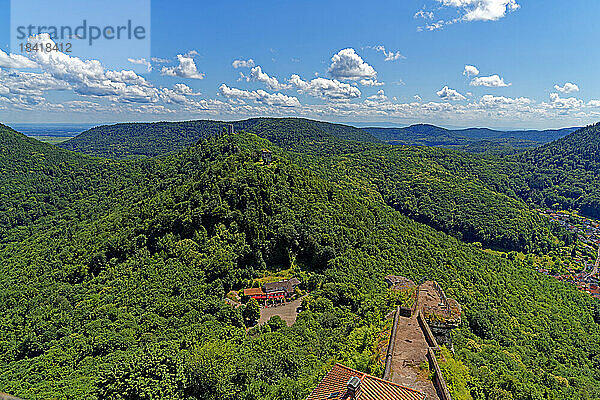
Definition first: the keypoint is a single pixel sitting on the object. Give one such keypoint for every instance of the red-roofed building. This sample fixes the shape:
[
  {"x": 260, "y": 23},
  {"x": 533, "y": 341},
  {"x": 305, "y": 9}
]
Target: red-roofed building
[
  {"x": 343, "y": 383},
  {"x": 260, "y": 295},
  {"x": 279, "y": 291}
]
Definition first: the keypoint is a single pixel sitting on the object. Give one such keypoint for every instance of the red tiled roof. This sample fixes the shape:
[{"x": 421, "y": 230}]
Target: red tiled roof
[
  {"x": 334, "y": 387},
  {"x": 253, "y": 292}
]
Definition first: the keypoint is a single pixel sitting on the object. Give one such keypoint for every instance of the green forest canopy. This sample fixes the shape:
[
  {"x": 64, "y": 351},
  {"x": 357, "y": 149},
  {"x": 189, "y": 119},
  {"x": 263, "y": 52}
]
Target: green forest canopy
[{"x": 115, "y": 289}]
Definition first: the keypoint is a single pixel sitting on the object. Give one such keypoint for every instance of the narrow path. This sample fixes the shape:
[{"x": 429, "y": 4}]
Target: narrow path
[{"x": 410, "y": 351}]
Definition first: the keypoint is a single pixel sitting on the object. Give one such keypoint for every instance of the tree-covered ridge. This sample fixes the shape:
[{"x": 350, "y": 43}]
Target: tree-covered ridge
[
  {"x": 128, "y": 303},
  {"x": 561, "y": 174},
  {"x": 412, "y": 180},
  {"x": 152, "y": 139},
  {"x": 38, "y": 181},
  {"x": 566, "y": 172},
  {"x": 420, "y": 183}
]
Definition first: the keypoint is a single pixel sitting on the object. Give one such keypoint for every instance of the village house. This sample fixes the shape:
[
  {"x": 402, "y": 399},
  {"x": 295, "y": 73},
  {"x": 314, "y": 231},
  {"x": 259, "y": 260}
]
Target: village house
[{"x": 280, "y": 291}]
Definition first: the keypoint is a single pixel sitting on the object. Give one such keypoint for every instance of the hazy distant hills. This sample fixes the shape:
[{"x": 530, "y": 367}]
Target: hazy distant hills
[{"x": 474, "y": 140}]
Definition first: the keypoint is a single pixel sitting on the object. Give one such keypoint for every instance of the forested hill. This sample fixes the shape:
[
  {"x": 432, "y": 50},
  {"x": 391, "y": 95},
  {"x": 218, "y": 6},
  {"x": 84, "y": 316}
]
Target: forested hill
[
  {"x": 567, "y": 172},
  {"x": 415, "y": 181},
  {"x": 127, "y": 302},
  {"x": 38, "y": 179},
  {"x": 152, "y": 139},
  {"x": 420, "y": 182}
]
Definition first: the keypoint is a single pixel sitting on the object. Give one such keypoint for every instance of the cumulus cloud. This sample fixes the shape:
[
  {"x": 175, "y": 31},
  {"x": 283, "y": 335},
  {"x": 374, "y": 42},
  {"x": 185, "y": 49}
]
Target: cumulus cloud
[
  {"x": 489, "y": 81},
  {"x": 15, "y": 61},
  {"x": 389, "y": 55},
  {"x": 469, "y": 10},
  {"x": 158, "y": 60},
  {"x": 380, "y": 96},
  {"x": 563, "y": 103},
  {"x": 259, "y": 96},
  {"x": 89, "y": 77},
  {"x": 497, "y": 101},
  {"x": 450, "y": 94},
  {"x": 594, "y": 103},
  {"x": 329, "y": 89},
  {"x": 470, "y": 70},
  {"x": 482, "y": 10},
  {"x": 186, "y": 69},
  {"x": 567, "y": 88},
  {"x": 243, "y": 63},
  {"x": 28, "y": 84},
  {"x": 347, "y": 65},
  {"x": 178, "y": 95},
  {"x": 257, "y": 74},
  {"x": 371, "y": 82}
]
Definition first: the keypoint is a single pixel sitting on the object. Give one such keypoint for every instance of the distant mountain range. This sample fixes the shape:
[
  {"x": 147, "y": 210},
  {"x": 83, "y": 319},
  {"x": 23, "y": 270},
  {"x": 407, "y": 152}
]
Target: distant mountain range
[{"x": 474, "y": 140}]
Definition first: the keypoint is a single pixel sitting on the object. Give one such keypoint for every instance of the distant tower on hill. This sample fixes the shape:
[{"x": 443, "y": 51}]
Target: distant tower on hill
[
  {"x": 266, "y": 156},
  {"x": 230, "y": 129}
]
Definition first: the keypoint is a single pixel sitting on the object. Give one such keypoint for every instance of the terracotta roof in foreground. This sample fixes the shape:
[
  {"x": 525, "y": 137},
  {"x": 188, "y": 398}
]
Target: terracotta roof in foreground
[{"x": 334, "y": 387}]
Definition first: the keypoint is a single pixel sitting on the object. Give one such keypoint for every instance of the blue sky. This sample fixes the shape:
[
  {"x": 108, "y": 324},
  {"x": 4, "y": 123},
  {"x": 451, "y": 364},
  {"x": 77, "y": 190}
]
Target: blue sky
[{"x": 385, "y": 62}]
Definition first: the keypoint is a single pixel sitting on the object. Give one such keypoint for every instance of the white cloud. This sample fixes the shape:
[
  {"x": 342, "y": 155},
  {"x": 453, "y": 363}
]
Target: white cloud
[
  {"x": 499, "y": 101},
  {"x": 186, "y": 69},
  {"x": 469, "y": 10},
  {"x": 257, "y": 74},
  {"x": 243, "y": 63},
  {"x": 563, "y": 103},
  {"x": 482, "y": 10},
  {"x": 489, "y": 81},
  {"x": 450, "y": 94},
  {"x": 158, "y": 60},
  {"x": 259, "y": 96},
  {"x": 346, "y": 64},
  {"x": 417, "y": 97},
  {"x": 389, "y": 55},
  {"x": 434, "y": 25},
  {"x": 15, "y": 61},
  {"x": 470, "y": 70},
  {"x": 424, "y": 14},
  {"x": 28, "y": 85},
  {"x": 89, "y": 77},
  {"x": 371, "y": 82},
  {"x": 141, "y": 61},
  {"x": 380, "y": 96},
  {"x": 182, "y": 88},
  {"x": 325, "y": 88},
  {"x": 567, "y": 88}
]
